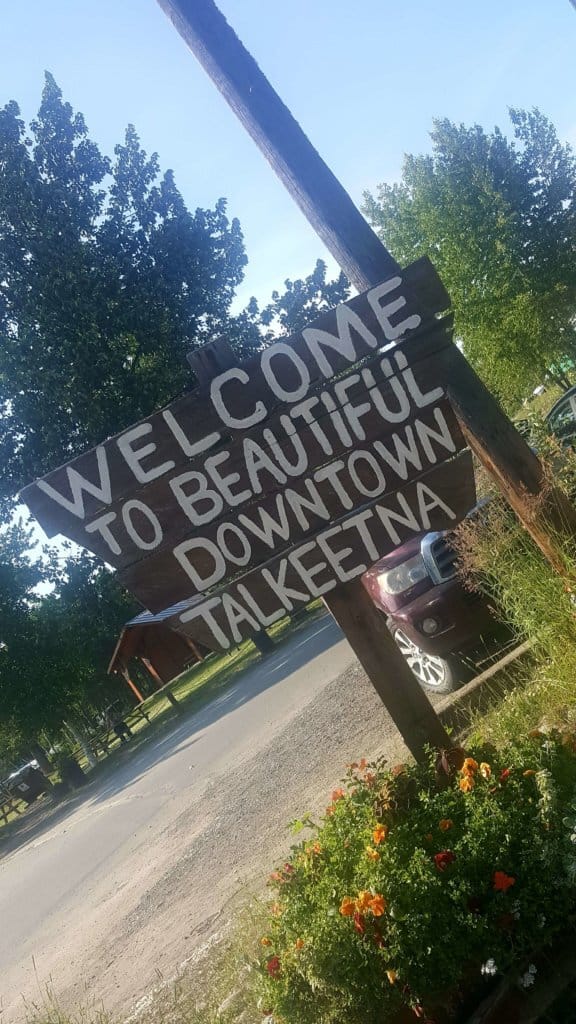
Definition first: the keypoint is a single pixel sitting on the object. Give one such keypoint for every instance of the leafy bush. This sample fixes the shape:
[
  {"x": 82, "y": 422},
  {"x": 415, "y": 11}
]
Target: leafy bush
[
  {"x": 420, "y": 877},
  {"x": 498, "y": 557}
]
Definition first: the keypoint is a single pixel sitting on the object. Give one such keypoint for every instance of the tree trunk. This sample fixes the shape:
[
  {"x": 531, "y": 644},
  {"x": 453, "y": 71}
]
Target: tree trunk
[
  {"x": 40, "y": 755},
  {"x": 79, "y": 736}
]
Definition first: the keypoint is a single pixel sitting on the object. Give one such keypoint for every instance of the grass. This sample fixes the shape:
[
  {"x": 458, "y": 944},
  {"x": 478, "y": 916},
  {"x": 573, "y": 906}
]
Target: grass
[{"x": 193, "y": 689}]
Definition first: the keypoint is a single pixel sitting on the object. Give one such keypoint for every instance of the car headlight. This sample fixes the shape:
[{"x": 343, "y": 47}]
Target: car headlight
[{"x": 404, "y": 576}]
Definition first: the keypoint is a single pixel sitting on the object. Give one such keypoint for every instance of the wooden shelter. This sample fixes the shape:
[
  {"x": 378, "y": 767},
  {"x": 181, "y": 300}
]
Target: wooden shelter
[{"x": 163, "y": 653}]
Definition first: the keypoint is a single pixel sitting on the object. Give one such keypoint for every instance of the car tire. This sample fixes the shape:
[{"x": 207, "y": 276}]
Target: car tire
[{"x": 442, "y": 675}]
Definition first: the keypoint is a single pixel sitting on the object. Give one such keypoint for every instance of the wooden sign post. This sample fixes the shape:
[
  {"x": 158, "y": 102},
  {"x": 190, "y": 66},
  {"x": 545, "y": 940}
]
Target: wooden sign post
[{"x": 363, "y": 257}]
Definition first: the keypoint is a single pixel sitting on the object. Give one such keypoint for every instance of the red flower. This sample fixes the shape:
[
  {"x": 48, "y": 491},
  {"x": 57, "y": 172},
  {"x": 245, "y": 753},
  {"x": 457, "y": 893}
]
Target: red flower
[
  {"x": 273, "y": 966},
  {"x": 501, "y": 882},
  {"x": 359, "y": 925},
  {"x": 504, "y": 774},
  {"x": 443, "y": 859}
]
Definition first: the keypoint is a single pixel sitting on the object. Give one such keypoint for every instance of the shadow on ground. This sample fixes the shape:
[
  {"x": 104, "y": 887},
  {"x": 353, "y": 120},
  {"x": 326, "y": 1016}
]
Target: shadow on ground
[{"x": 180, "y": 730}]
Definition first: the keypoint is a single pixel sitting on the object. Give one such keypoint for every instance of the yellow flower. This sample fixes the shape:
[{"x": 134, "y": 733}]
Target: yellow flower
[
  {"x": 380, "y": 833},
  {"x": 485, "y": 770},
  {"x": 392, "y": 976},
  {"x": 372, "y": 854},
  {"x": 265, "y": 941},
  {"x": 466, "y": 784},
  {"x": 363, "y": 901},
  {"x": 444, "y": 824},
  {"x": 470, "y": 766},
  {"x": 299, "y": 943},
  {"x": 348, "y": 907}
]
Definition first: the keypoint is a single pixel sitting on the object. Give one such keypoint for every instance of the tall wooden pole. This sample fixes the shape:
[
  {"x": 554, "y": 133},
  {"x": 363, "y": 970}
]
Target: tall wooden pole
[
  {"x": 359, "y": 251},
  {"x": 366, "y": 262}
]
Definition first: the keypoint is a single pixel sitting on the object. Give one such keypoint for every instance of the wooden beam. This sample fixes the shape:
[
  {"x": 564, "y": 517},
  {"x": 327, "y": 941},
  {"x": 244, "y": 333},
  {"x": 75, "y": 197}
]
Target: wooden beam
[
  {"x": 133, "y": 687},
  {"x": 364, "y": 259},
  {"x": 310, "y": 182}
]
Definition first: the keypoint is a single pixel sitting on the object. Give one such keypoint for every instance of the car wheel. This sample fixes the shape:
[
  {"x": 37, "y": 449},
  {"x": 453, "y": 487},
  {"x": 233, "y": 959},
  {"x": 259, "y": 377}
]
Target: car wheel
[{"x": 431, "y": 671}]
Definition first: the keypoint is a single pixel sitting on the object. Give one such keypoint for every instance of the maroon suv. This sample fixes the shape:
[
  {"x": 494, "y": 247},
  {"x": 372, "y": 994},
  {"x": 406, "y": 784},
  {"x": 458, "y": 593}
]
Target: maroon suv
[{"x": 441, "y": 628}]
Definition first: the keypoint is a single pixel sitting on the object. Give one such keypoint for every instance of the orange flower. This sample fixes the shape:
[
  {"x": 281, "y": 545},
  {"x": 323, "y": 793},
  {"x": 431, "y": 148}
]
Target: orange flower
[
  {"x": 362, "y": 764},
  {"x": 369, "y": 778},
  {"x": 377, "y": 905},
  {"x": 529, "y": 771},
  {"x": 466, "y": 784},
  {"x": 485, "y": 770},
  {"x": 275, "y": 877},
  {"x": 316, "y": 848},
  {"x": 501, "y": 882},
  {"x": 265, "y": 941},
  {"x": 470, "y": 766},
  {"x": 329, "y": 810},
  {"x": 444, "y": 824},
  {"x": 363, "y": 901},
  {"x": 337, "y": 794},
  {"x": 372, "y": 854},
  {"x": 398, "y": 769},
  {"x": 392, "y": 976},
  {"x": 299, "y": 943},
  {"x": 359, "y": 923},
  {"x": 348, "y": 907},
  {"x": 380, "y": 833}
]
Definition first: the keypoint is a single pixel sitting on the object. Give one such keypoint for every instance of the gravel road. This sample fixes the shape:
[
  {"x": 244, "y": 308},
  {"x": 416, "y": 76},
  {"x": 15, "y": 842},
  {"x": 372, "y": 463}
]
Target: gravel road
[{"x": 126, "y": 886}]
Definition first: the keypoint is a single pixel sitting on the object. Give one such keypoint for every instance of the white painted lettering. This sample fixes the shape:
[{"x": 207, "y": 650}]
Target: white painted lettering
[
  {"x": 200, "y": 496},
  {"x": 79, "y": 485},
  {"x": 204, "y": 611},
  {"x": 427, "y": 501},
  {"x": 235, "y": 614},
  {"x": 384, "y": 313},
  {"x": 258, "y": 462},
  {"x": 243, "y": 554},
  {"x": 134, "y": 457},
  {"x": 342, "y": 343},
  {"x": 191, "y": 450},
  {"x": 420, "y": 399},
  {"x": 379, "y": 485},
  {"x": 237, "y": 423},
  {"x": 182, "y": 554},
  {"x": 128, "y": 510},
  {"x": 280, "y": 348},
  {"x": 268, "y": 528},
  {"x": 225, "y": 483},
  {"x": 101, "y": 526}
]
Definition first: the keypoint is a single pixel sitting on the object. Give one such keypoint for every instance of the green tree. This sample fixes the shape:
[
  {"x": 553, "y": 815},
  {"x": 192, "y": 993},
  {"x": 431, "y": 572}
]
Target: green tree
[
  {"x": 56, "y": 647},
  {"x": 498, "y": 218},
  {"x": 106, "y": 281}
]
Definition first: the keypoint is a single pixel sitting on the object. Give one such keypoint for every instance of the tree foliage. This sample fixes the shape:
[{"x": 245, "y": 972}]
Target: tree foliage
[
  {"x": 106, "y": 281},
  {"x": 56, "y": 646},
  {"x": 498, "y": 218}
]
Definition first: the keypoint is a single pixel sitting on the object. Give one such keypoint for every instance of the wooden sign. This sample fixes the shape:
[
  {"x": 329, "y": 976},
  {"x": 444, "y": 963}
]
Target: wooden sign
[{"x": 342, "y": 431}]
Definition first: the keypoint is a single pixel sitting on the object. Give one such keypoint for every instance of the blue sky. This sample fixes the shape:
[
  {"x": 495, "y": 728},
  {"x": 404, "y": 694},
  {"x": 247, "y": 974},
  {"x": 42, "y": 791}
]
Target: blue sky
[{"x": 364, "y": 79}]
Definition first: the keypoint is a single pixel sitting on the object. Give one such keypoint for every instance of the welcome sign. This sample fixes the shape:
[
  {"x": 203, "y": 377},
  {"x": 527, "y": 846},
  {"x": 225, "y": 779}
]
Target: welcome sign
[{"x": 290, "y": 474}]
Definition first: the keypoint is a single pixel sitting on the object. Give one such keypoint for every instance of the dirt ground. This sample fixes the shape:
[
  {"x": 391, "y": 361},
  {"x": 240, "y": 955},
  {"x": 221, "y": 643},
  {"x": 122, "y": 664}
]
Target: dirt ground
[{"x": 177, "y": 857}]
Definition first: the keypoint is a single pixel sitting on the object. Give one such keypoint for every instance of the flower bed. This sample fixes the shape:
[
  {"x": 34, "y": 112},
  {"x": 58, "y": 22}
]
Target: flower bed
[{"x": 422, "y": 885}]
